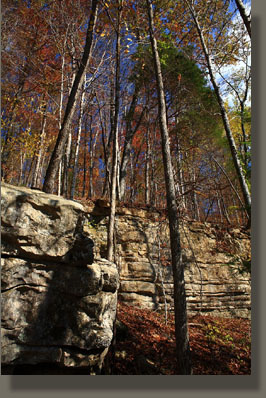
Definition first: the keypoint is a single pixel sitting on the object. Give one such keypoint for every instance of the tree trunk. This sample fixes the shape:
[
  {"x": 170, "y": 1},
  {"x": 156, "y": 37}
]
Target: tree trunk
[
  {"x": 84, "y": 164},
  {"x": 76, "y": 157},
  {"x": 147, "y": 168},
  {"x": 230, "y": 182},
  {"x": 58, "y": 152},
  {"x": 130, "y": 132},
  {"x": 107, "y": 146},
  {"x": 92, "y": 146},
  {"x": 37, "y": 168},
  {"x": 111, "y": 224},
  {"x": 67, "y": 155},
  {"x": 244, "y": 16},
  {"x": 180, "y": 182},
  {"x": 181, "y": 332}
]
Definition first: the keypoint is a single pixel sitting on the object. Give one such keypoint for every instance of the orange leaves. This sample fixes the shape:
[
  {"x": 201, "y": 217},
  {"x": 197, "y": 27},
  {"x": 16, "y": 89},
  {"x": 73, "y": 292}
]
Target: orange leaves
[{"x": 147, "y": 338}]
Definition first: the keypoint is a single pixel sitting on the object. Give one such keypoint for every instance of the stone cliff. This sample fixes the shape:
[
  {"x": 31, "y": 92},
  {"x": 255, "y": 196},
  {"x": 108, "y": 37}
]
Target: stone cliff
[
  {"x": 59, "y": 298},
  {"x": 58, "y": 304},
  {"x": 215, "y": 259}
]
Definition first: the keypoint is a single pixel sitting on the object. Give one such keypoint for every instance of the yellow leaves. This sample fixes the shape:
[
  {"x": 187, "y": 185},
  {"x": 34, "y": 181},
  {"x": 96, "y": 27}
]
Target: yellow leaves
[{"x": 127, "y": 49}]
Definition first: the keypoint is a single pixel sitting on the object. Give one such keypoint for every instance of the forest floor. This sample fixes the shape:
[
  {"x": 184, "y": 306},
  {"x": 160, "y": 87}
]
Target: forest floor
[{"x": 146, "y": 345}]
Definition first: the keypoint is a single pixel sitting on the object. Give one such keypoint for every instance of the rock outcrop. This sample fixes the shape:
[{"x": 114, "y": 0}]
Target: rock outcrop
[
  {"x": 58, "y": 303},
  {"x": 59, "y": 300},
  {"x": 216, "y": 281}
]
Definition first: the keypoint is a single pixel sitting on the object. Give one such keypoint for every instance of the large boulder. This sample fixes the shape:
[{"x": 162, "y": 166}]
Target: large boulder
[
  {"x": 43, "y": 227},
  {"x": 58, "y": 303}
]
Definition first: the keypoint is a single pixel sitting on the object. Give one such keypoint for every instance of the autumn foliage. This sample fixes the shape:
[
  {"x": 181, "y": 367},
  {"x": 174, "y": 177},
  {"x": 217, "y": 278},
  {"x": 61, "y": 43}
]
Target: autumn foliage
[
  {"x": 43, "y": 45},
  {"x": 146, "y": 345}
]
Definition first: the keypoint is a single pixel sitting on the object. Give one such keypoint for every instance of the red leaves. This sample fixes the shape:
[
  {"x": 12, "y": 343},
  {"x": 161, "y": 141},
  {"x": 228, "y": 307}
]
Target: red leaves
[{"x": 218, "y": 345}]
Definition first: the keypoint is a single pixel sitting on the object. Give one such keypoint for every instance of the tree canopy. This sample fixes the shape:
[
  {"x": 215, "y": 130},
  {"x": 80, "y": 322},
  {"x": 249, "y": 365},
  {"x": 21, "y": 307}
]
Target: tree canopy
[{"x": 43, "y": 44}]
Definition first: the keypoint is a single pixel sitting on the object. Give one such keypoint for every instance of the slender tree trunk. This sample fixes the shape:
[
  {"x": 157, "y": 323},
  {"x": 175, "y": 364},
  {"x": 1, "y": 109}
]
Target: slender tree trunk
[
  {"x": 244, "y": 15},
  {"x": 31, "y": 172},
  {"x": 60, "y": 120},
  {"x": 153, "y": 160},
  {"x": 76, "y": 156},
  {"x": 66, "y": 165},
  {"x": 219, "y": 206},
  {"x": 118, "y": 192},
  {"x": 59, "y": 178},
  {"x": 22, "y": 157},
  {"x": 230, "y": 182},
  {"x": 161, "y": 278},
  {"x": 58, "y": 152},
  {"x": 180, "y": 182},
  {"x": 107, "y": 146},
  {"x": 40, "y": 154},
  {"x": 224, "y": 209},
  {"x": 66, "y": 159},
  {"x": 147, "y": 168},
  {"x": 127, "y": 145},
  {"x": 130, "y": 132},
  {"x": 236, "y": 212},
  {"x": 132, "y": 186},
  {"x": 84, "y": 165},
  {"x": 111, "y": 224},
  {"x": 245, "y": 147},
  {"x": 230, "y": 138},
  {"x": 209, "y": 209},
  {"x": 181, "y": 331},
  {"x": 195, "y": 205},
  {"x": 93, "y": 142}
]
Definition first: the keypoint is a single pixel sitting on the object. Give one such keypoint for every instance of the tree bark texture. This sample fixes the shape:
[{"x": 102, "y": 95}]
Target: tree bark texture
[
  {"x": 111, "y": 224},
  {"x": 181, "y": 332},
  {"x": 244, "y": 16},
  {"x": 76, "y": 157}
]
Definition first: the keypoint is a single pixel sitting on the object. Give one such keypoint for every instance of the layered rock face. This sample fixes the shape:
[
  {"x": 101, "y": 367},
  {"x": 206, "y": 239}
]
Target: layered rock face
[
  {"x": 58, "y": 302},
  {"x": 216, "y": 283}
]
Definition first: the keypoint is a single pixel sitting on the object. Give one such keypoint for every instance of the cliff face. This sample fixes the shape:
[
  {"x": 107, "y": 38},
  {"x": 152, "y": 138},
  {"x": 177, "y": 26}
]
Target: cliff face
[
  {"x": 59, "y": 299},
  {"x": 214, "y": 260},
  {"x": 58, "y": 304}
]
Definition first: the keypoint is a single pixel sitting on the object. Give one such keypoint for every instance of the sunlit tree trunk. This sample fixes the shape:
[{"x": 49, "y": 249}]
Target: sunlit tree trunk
[
  {"x": 76, "y": 156},
  {"x": 58, "y": 152},
  {"x": 111, "y": 224},
  {"x": 246, "y": 18},
  {"x": 130, "y": 132},
  {"x": 107, "y": 146},
  {"x": 40, "y": 153},
  {"x": 181, "y": 331},
  {"x": 93, "y": 141},
  {"x": 147, "y": 168}
]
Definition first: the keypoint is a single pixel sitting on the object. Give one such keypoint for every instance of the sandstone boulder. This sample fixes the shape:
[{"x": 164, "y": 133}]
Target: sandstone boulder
[
  {"x": 58, "y": 304},
  {"x": 41, "y": 226}
]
